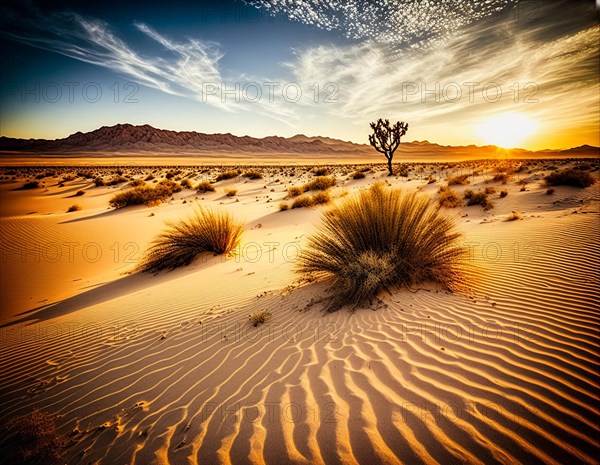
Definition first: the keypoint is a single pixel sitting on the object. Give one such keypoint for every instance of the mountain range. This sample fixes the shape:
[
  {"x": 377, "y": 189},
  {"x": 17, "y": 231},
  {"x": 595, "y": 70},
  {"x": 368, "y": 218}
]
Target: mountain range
[{"x": 146, "y": 140}]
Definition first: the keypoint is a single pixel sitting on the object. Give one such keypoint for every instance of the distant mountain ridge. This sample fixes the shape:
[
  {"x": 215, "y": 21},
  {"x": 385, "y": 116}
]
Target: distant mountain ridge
[{"x": 147, "y": 140}]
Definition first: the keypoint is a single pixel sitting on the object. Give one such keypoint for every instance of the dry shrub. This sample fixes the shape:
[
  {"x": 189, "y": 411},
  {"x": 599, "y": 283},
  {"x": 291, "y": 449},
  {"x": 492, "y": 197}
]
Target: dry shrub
[
  {"x": 230, "y": 174},
  {"x": 459, "y": 180},
  {"x": 182, "y": 242},
  {"x": 382, "y": 238},
  {"x": 570, "y": 177},
  {"x": 205, "y": 186},
  {"x": 478, "y": 198},
  {"x": 449, "y": 198}
]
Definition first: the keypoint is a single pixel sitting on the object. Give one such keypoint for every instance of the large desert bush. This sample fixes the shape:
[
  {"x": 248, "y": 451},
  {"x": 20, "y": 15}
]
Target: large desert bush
[
  {"x": 570, "y": 177},
  {"x": 379, "y": 239},
  {"x": 182, "y": 242}
]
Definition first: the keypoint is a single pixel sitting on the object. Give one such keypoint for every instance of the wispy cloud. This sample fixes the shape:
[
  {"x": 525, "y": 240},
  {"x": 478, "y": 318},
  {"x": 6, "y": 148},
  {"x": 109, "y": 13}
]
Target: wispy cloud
[
  {"x": 519, "y": 69},
  {"x": 92, "y": 41}
]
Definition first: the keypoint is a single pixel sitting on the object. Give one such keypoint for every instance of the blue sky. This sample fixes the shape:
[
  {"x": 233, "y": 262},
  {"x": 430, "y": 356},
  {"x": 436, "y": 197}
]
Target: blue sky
[{"x": 449, "y": 68}]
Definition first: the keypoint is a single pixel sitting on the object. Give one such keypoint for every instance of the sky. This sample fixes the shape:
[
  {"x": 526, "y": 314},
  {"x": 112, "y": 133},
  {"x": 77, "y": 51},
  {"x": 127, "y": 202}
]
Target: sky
[{"x": 460, "y": 72}]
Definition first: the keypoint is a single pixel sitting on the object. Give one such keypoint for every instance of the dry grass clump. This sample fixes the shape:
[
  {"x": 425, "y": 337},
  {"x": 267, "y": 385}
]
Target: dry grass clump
[
  {"x": 358, "y": 175},
  {"x": 489, "y": 190},
  {"x": 478, "y": 198},
  {"x": 186, "y": 183},
  {"x": 230, "y": 174},
  {"x": 570, "y": 177},
  {"x": 35, "y": 439},
  {"x": 448, "y": 198},
  {"x": 259, "y": 317},
  {"x": 295, "y": 191},
  {"x": 230, "y": 192},
  {"x": 74, "y": 208},
  {"x": 145, "y": 195},
  {"x": 503, "y": 193},
  {"x": 382, "y": 238},
  {"x": 320, "y": 183},
  {"x": 137, "y": 182},
  {"x": 320, "y": 171},
  {"x": 283, "y": 206},
  {"x": 501, "y": 177},
  {"x": 550, "y": 191},
  {"x": 205, "y": 186},
  {"x": 514, "y": 216},
  {"x": 182, "y": 242},
  {"x": 117, "y": 179},
  {"x": 307, "y": 200},
  {"x": 459, "y": 180},
  {"x": 252, "y": 174}
]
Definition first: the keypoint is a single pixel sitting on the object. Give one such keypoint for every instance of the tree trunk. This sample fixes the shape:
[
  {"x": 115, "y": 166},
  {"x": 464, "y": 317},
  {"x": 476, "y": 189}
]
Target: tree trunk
[{"x": 390, "y": 170}]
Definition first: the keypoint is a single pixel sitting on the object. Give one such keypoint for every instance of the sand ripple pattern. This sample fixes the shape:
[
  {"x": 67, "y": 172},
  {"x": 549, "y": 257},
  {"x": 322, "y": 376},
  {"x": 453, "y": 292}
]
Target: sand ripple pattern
[{"x": 505, "y": 375}]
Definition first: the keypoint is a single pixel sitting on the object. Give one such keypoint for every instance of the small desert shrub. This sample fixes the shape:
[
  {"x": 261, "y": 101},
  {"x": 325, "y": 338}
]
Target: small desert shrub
[
  {"x": 283, "y": 206},
  {"x": 36, "y": 440},
  {"x": 295, "y": 191},
  {"x": 503, "y": 193},
  {"x": 320, "y": 171},
  {"x": 501, "y": 177},
  {"x": 550, "y": 191},
  {"x": 79, "y": 193},
  {"x": 150, "y": 177},
  {"x": 118, "y": 179},
  {"x": 145, "y": 195},
  {"x": 320, "y": 198},
  {"x": 513, "y": 216},
  {"x": 252, "y": 174},
  {"x": 74, "y": 208},
  {"x": 99, "y": 182},
  {"x": 259, "y": 317},
  {"x": 523, "y": 188},
  {"x": 230, "y": 192},
  {"x": 320, "y": 183},
  {"x": 449, "y": 198},
  {"x": 382, "y": 238},
  {"x": 182, "y": 242},
  {"x": 489, "y": 190},
  {"x": 230, "y": 174},
  {"x": 402, "y": 171},
  {"x": 358, "y": 175},
  {"x": 478, "y": 198},
  {"x": 570, "y": 177},
  {"x": 137, "y": 182},
  {"x": 186, "y": 183},
  {"x": 302, "y": 201},
  {"x": 205, "y": 186},
  {"x": 31, "y": 185},
  {"x": 170, "y": 185},
  {"x": 458, "y": 180}
]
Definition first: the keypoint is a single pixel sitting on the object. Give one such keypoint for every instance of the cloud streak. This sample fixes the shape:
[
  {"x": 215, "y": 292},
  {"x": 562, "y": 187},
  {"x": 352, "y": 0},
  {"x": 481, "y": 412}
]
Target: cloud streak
[{"x": 519, "y": 68}]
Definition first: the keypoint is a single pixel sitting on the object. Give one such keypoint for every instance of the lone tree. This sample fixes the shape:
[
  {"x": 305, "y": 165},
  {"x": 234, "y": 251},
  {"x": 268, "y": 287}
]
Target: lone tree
[{"x": 386, "y": 138}]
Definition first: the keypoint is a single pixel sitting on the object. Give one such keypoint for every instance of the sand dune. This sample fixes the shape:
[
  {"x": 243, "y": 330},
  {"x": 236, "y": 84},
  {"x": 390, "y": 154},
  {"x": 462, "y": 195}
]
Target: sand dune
[{"x": 167, "y": 369}]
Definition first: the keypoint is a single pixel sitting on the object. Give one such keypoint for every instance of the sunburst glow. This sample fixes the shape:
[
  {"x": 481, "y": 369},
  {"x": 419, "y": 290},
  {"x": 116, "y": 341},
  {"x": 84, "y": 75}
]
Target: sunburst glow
[{"x": 507, "y": 130}]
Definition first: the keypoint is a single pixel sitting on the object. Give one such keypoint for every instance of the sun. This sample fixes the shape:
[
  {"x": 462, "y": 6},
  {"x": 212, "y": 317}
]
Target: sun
[{"x": 507, "y": 130}]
